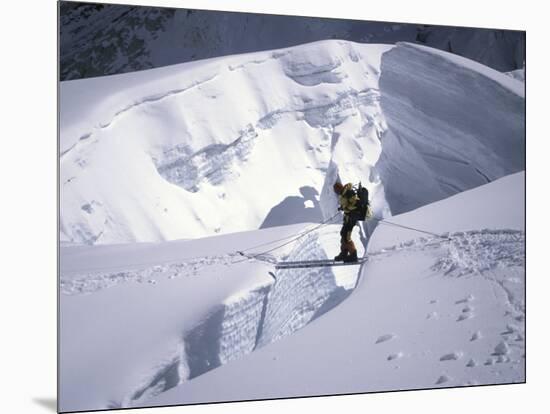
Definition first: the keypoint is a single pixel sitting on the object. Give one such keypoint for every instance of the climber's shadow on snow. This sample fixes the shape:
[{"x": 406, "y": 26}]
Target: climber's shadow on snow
[{"x": 295, "y": 209}]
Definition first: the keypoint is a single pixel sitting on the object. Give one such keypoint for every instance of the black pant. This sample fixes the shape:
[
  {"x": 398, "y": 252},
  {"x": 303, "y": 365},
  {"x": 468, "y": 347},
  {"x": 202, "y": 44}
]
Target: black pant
[{"x": 350, "y": 220}]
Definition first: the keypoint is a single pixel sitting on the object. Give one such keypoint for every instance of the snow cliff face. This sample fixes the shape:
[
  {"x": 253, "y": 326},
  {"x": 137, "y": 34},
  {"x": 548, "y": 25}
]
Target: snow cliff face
[
  {"x": 452, "y": 125},
  {"x": 217, "y": 147},
  {"x": 257, "y": 140},
  {"x": 99, "y": 40}
]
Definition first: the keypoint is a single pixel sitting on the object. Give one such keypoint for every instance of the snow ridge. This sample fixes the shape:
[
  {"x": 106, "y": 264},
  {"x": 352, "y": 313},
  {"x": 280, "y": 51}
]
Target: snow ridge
[{"x": 86, "y": 283}]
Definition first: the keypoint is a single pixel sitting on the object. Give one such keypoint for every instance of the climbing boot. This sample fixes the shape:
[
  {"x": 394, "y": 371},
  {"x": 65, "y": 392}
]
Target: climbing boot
[
  {"x": 349, "y": 246},
  {"x": 343, "y": 254},
  {"x": 352, "y": 257},
  {"x": 341, "y": 257}
]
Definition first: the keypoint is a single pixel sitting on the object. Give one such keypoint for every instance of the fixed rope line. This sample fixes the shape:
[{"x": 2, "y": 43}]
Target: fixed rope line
[
  {"x": 295, "y": 238},
  {"x": 288, "y": 237},
  {"x": 326, "y": 222},
  {"x": 384, "y": 221}
]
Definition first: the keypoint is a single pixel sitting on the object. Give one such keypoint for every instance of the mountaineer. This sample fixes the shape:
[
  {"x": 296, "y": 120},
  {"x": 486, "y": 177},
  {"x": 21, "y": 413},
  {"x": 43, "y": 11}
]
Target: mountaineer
[{"x": 355, "y": 205}]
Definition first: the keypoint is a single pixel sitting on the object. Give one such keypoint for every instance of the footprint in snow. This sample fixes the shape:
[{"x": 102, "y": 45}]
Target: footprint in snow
[
  {"x": 510, "y": 329},
  {"x": 502, "y": 358},
  {"x": 432, "y": 315},
  {"x": 442, "y": 379},
  {"x": 451, "y": 357},
  {"x": 475, "y": 336},
  {"x": 384, "y": 338},
  {"x": 467, "y": 299},
  {"x": 464, "y": 316},
  {"x": 392, "y": 357},
  {"x": 490, "y": 361},
  {"x": 471, "y": 363},
  {"x": 501, "y": 349}
]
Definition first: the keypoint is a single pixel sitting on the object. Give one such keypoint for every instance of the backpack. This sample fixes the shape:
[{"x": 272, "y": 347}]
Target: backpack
[{"x": 363, "y": 204}]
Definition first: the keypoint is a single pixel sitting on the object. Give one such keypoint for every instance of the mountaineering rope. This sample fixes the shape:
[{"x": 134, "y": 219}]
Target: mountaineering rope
[
  {"x": 384, "y": 221},
  {"x": 294, "y": 238},
  {"x": 324, "y": 223},
  {"x": 289, "y": 237}
]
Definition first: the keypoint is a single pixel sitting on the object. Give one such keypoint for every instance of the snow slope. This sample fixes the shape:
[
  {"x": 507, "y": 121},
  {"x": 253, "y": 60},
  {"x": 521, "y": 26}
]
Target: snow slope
[
  {"x": 257, "y": 140},
  {"x": 428, "y": 312},
  {"x": 138, "y": 319}
]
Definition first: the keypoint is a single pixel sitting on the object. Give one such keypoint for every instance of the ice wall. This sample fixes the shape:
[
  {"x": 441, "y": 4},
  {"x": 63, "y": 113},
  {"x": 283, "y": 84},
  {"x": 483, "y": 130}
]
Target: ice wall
[
  {"x": 217, "y": 146},
  {"x": 453, "y": 124}
]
